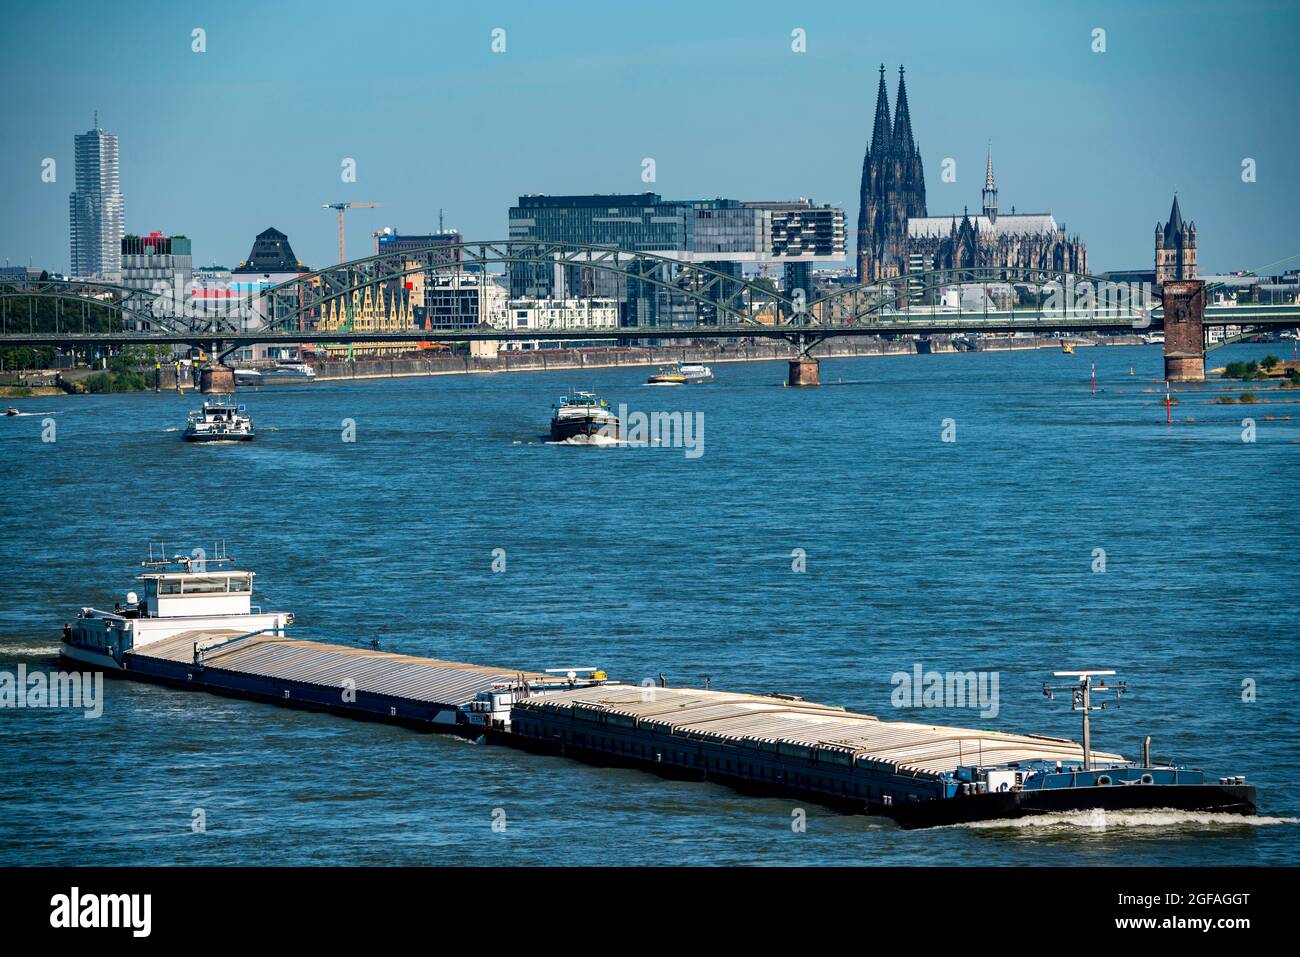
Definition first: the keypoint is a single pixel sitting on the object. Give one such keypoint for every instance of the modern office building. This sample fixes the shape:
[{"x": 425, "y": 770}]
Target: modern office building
[
  {"x": 722, "y": 234},
  {"x": 157, "y": 262},
  {"x": 546, "y": 314},
  {"x": 96, "y": 208},
  {"x": 12, "y": 273},
  {"x": 388, "y": 240},
  {"x": 803, "y": 234},
  {"x": 461, "y": 300}
]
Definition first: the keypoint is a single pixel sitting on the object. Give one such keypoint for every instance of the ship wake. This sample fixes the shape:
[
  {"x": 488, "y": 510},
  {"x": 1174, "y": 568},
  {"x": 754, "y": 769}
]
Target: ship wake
[
  {"x": 601, "y": 440},
  {"x": 1098, "y": 819}
]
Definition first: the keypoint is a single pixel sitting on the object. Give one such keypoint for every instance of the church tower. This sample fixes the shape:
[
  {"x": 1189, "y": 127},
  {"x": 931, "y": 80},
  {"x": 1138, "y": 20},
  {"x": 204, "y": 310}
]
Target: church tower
[
  {"x": 1175, "y": 248},
  {"x": 990, "y": 191},
  {"x": 892, "y": 189},
  {"x": 872, "y": 188}
]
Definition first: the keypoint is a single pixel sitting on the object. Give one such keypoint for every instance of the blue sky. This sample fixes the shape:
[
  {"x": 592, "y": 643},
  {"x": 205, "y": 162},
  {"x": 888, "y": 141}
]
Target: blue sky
[{"x": 251, "y": 133}]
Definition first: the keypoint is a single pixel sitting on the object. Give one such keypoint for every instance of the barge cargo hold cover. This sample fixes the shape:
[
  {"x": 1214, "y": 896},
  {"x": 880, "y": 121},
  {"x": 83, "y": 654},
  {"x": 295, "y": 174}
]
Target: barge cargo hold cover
[
  {"x": 918, "y": 774},
  {"x": 422, "y": 692}
]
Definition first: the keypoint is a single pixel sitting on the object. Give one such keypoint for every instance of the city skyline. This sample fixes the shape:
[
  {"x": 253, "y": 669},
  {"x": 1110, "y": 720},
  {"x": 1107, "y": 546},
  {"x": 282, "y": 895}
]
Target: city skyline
[{"x": 252, "y": 132}]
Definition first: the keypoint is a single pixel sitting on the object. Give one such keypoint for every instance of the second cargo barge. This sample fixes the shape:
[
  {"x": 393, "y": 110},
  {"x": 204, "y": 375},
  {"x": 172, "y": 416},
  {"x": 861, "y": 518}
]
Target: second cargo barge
[{"x": 918, "y": 774}]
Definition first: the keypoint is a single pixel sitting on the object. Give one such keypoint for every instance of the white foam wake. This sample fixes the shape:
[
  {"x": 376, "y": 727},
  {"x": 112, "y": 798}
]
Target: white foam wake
[
  {"x": 30, "y": 649},
  {"x": 1097, "y": 819},
  {"x": 602, "y": 440}
]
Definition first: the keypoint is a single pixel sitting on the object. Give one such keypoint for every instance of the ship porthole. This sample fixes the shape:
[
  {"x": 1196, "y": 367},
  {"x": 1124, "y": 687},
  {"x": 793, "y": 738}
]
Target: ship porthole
[
  {"x": 1103, "y": 779},
  {"x": 1146, "y": 779}
]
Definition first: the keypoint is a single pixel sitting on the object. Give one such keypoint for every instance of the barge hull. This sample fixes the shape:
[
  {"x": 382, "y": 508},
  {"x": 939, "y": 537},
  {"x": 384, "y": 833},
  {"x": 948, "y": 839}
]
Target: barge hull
[
  {"x": 422, "y": 693},
  {"x": 942, "y": 812},
  {"x": 1210, "y": 798}
]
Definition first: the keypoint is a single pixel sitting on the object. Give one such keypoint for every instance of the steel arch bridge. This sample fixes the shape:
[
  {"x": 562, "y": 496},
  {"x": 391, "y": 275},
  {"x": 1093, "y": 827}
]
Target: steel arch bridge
[
  {"x": 74, "y": 303},
  {"x": 72, "y": 312},
  {"x": 924, "y": 290},
  {"x": 287, "y": 306},
  {"x": 726, "y": 297}
]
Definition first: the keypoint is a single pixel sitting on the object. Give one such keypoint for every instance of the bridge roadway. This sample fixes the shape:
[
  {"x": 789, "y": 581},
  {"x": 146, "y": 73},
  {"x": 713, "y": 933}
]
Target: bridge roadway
[{"x": 934, "y": 322}]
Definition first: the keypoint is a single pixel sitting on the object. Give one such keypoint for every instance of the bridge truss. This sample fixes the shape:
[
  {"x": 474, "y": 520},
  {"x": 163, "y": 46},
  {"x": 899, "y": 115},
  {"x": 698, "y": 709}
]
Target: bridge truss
[{"x": 1013, "y": 299}]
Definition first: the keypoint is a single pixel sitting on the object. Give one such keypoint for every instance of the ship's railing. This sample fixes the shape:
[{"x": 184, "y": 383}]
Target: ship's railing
[{"x": 199, "y": 652}]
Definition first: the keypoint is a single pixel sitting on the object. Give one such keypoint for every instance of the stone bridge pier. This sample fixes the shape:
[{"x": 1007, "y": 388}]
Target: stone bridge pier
[
  {"x": 217, "y": 378},
  {"x": 805, "y": 371},
  {"x": 1184, "y": 308}
]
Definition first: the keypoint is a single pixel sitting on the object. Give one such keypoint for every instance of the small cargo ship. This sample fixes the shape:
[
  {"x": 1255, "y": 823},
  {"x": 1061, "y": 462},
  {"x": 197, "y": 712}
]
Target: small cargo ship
[
  {"x": 220, "y": 420},
  {"x": 583, "y": 417},
  {"x": 682, "y": 373},
  {"x": 666, "y": 377},
  {"x": 289, "y": 370}
]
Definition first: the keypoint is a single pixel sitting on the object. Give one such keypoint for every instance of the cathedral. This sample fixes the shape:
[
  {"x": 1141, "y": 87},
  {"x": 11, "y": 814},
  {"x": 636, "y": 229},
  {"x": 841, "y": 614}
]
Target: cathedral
[
  {"x": 893, "y": 188},
  {"x": 896, "y": 235}
]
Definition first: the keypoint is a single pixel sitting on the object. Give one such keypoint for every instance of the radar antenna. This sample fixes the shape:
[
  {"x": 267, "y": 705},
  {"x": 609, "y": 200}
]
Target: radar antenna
[{"x": 1081, "y": 692}]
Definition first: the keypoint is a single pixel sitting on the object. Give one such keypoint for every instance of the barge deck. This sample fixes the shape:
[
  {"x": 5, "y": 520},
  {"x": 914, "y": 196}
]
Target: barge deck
[{"x": 425, "y": 693}]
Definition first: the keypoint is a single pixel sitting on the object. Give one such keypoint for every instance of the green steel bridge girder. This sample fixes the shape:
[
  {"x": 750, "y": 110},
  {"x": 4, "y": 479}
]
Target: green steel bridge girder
[
  {"x": 860, "y": 310},
  {"x": 729, "y": 295},
  {"x": 939, "y": 325}
]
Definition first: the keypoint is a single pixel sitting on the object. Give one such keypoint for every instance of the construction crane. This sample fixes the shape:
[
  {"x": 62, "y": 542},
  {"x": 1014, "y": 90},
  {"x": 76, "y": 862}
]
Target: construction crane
[{"x": 343, "y": 208}]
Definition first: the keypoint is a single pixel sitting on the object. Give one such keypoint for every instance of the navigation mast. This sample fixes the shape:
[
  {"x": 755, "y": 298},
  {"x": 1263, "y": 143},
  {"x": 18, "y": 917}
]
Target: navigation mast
[{"x": 1081, "y": 692}]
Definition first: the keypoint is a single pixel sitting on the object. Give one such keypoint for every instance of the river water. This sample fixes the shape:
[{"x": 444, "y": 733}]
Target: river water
[{"x": 970, "y": 555}]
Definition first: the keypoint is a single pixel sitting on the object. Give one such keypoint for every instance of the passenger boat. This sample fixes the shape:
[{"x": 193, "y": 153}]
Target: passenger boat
[
  {"x": 682, "y": 373},
  {"x": 182, "y": 593},
  {"x": 289, "y": 370},
  {"x": 666, "y": 377},
  {"x": 583, "y": 417},
  {"x": 220, "y": 420}
]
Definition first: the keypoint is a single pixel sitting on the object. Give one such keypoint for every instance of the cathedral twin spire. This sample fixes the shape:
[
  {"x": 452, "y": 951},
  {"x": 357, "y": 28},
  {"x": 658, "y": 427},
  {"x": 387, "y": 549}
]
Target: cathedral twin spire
[
  {"x": 882, "y": 134},
  {"x": 895, "y": 136},
  {"x": 893, "y": 186}
]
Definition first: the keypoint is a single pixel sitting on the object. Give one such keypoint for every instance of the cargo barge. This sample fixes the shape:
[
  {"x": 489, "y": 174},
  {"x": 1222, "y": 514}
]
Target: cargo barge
[
  {"x": 919, "y": 775},
  {"x": 196, "y": 628}
]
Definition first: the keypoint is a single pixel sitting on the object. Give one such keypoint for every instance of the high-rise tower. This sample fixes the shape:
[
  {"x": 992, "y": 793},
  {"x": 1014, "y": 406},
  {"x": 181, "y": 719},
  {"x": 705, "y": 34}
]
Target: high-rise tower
[
  {"x": 1175, "y": 248},
  {"x": 892, "y": 189},
  {"x": 95, "y": 208}
]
